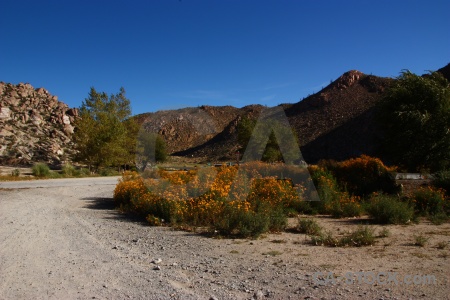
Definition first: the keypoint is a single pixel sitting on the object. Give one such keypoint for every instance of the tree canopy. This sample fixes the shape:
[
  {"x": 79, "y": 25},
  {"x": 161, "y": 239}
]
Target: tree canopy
[
  {"x": 415, "y": 116},
  {"x": 105, "y": 134}
]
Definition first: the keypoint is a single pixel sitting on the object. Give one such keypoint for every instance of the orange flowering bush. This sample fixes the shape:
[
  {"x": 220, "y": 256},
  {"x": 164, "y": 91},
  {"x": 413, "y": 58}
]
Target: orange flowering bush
[
  {"x": 430, "y": 201},
  {"x": 332, "y": 200},
  {"x": 230, "y": 200},
  {"x": 363, "y": 175},
  {"x": 130, "y": 186}
]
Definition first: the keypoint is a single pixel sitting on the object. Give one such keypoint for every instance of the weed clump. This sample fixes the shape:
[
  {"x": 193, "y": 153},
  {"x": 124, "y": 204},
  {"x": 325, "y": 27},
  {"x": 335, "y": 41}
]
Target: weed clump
[
  {"x": 386, "y": 209},
  {"x": 40, "y": 170},
  {"x": 309, "y": 226}
]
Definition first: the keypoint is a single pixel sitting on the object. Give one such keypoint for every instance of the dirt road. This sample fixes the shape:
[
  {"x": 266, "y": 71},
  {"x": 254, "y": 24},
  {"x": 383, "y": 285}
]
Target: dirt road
[{"x": 66, "y": 241}]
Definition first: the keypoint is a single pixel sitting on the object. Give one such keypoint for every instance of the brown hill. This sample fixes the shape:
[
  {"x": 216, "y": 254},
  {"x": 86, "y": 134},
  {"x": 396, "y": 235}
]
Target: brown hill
[
  {"x": 321, "y": 121},
  {"x": 188, "y": 127},
  {"x": 335, "y": 123},
  {"x": 338, "y": 122},
  {"x": 34, "y": 126}
]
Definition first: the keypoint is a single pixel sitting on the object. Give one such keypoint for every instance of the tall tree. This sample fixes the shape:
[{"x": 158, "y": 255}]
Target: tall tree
[
  {"x": 415, "y": 115},
  {"x": 105, "y": 133}
]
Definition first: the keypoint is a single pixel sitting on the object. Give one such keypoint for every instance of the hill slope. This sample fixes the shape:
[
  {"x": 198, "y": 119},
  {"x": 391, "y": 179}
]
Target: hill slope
[
  {"x": 336, "y": 123},
  {"x": 34, "y": 126}
]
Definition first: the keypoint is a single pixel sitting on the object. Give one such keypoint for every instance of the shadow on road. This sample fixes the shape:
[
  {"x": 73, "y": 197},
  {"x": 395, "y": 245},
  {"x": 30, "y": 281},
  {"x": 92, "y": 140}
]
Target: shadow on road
[
  {"x": 99, "y": 203},
  {"x": 107, "y": 204}
]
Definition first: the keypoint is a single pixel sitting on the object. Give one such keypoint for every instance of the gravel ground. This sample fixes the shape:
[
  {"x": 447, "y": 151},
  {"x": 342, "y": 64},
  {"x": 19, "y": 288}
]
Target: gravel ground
[{"x": 68, "y": 242}]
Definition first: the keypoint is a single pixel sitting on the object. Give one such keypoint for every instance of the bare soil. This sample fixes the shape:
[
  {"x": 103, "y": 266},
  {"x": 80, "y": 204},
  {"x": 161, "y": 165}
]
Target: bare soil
[{"x": 70, "y": 243}]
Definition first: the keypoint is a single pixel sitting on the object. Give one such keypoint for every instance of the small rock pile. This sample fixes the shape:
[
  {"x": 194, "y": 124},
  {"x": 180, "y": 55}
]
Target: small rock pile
[{"x": 34, "y": 126}]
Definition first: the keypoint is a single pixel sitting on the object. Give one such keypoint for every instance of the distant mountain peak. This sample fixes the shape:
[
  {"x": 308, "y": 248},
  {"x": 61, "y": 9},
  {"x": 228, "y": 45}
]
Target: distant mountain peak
[{"x": 347, "y": 79}]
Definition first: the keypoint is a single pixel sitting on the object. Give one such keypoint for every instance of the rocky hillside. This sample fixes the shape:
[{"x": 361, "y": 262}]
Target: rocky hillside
[
  {"x": 337, "y": 122},
  {"x": 34, "y": 126}
]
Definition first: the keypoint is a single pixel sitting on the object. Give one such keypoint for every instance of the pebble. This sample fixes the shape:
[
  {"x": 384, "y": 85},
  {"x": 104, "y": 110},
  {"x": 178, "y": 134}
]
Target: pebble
[
  {"x": 157, "y": 268},
  {"x": 259, "y": 295}
]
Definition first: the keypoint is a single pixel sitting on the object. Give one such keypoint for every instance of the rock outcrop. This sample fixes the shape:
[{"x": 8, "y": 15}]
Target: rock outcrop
[{"x": 34, "y": 126}]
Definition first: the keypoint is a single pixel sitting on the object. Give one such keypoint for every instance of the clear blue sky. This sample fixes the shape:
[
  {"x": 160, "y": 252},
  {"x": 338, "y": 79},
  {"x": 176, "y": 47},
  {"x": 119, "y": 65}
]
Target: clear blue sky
[{"x": 170, "y": 53}]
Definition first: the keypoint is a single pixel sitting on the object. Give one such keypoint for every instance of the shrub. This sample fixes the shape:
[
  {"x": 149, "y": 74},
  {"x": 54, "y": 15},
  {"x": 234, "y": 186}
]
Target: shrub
[
  {"x": 420, "y": 240},
  {"x": 438, "y": 218},
  {"x": 40, "y": 170},
  {"x": 441, "y": 180},
  {"x": 346, "y": 207},
  {"x": 442, "y": 245},
  {"x": 242, "y": 223},
  {"x": 53, "y": 174},
  {"x": 363, "y": 236},
  {"x": 15, "y": 173},
  {"x": 386, "y": 209},
  {"x": 384, "y": 233},
  {"x": 304, "y": 207},
  {"x": 85, "y": 172},
  {"x": 202, "y": 199},
  {"x": 327, "y": 190},
  {"x": 68, "y": 170},
  {"x": 309, "y": 226},
  {"x": 429, "y": 201},
  {"x": 324, "y": 239},
  {"x": 332, "y": 200},
  {"x": 153, "y": 221},
  {"x": 109, "y": 172},
  {"x": 363, "y": 175}
]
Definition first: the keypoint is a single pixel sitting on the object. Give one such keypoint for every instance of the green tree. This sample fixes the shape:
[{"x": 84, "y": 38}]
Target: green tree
[
  {"x": 105, "y": 133},
  {"x": 415, "y": 116}
]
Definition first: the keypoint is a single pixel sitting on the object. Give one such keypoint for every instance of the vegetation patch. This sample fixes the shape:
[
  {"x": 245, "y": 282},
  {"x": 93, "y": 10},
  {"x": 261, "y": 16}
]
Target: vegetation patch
[{"x": 385, "y": 209}]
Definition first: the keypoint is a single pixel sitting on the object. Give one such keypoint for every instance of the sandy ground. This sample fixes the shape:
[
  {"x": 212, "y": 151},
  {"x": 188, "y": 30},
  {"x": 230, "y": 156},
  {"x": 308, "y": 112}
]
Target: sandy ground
[{"x": 68, "y": 242}]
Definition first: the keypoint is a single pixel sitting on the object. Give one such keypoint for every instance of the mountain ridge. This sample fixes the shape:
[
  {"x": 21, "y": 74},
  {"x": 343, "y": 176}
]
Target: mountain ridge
[{"x": 338, "y": 122}]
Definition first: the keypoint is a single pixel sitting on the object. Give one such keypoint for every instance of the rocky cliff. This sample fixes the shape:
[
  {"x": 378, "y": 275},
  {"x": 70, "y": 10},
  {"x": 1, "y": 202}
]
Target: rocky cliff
[{"x": 34, "y": 126}]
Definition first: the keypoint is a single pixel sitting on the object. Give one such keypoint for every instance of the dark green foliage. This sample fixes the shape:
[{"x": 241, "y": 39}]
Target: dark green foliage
[
  {"x": 309, "y": 226},
  {"x": 415, "y": 116},
  {"x": 363, "y": 236},
  {"x": 442, "y": 180},
  {"x": 69, "y": 170},
  {"x": 40, "y": 170},
  {"x": 250, "y": 223},
  {"x": 428, "y": 201},
  {"x": 328, "y": 192},
  {"x": 438, "y": 218},
  {"x": 346, "y": 210},
  {"x": 105, "y": 136},
  {"x": 389, "y": 210},
  {"x": 15, "y": 173}
]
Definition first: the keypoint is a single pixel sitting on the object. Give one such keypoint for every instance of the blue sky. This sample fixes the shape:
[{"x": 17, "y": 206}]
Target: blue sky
[{"x": 171, "y": 54}]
